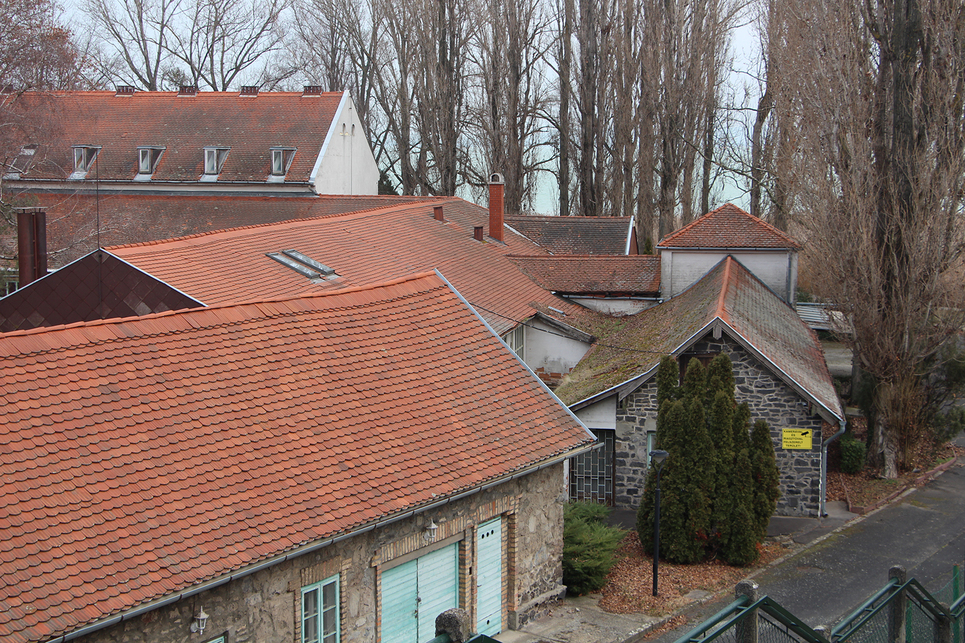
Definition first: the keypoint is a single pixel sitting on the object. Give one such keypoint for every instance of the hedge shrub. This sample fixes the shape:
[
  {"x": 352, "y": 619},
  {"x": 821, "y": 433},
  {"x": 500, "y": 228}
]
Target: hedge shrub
[
  {"x": 588, "y": 546},
  {"x": 852, "y": 454}
]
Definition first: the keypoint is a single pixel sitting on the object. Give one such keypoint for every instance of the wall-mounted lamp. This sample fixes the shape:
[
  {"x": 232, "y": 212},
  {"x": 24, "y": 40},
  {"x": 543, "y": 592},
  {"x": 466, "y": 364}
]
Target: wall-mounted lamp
[
  {"x": 200, "y": 621},
  {"x": 430, "y": 533}
]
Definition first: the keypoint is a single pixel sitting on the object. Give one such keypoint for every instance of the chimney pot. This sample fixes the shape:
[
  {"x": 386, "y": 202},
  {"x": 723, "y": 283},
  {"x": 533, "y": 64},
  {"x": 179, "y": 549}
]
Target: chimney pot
[
  {"x": 496, "y": 185},
  {"x": 312, "y": 90},
  {"x": 31, "y": 245},
  {"x": 437, "y": 213},
  {"x": 477, "y": 233}
]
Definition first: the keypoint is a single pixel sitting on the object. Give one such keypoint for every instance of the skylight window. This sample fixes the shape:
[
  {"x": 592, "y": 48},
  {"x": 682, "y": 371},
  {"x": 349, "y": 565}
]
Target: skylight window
[
  {"x": 303, "y": 265},
  {"x": 148, "y": 158},
  {"x": 281, "y": 160},
  {"x": 214, "y": 158}
]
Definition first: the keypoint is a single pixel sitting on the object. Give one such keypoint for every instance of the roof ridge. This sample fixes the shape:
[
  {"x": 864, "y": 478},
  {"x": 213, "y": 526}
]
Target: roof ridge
[
  {"x": 333, "y": 215},
  {"x": 755, "y": 220},
  {"x": 204, "y": 310},
  {"x": 724, "y": 288}
]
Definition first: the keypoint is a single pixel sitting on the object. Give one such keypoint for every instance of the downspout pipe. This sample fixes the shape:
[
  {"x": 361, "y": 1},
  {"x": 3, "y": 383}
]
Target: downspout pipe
[{"x": 843, "y": 424}]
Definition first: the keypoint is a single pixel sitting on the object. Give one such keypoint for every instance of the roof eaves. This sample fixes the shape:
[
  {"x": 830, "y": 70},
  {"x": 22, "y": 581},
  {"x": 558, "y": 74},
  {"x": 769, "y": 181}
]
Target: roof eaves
[
  {"x": 785, "y": 377},
  {"x": 572, "y": 332},
  {"x": 513, "y": 353}
]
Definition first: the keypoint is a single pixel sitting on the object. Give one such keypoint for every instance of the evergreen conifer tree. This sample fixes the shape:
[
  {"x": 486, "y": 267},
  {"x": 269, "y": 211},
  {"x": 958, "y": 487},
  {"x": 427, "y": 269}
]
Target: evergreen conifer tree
[{"x": 767, "y": 482}]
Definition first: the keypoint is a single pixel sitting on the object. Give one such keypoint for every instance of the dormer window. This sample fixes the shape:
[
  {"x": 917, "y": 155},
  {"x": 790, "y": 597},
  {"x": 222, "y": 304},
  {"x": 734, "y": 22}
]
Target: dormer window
[
  {"x": 148, "y": 158},
  {"x": 214, "y": 158},
  {"x": 22, "y": 163},
  {"x": 281, "y": 160},
  {"x": 84, "y": 156}
]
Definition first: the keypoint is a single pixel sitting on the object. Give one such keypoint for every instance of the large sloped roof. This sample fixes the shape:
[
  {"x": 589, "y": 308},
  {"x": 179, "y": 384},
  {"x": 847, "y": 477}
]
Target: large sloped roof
[
  {"x": 576, "y": 235},
  {"x": 362, "y": 248},
  {"x": 144, "y": 456},
  {"x": 637, "y": 274},
  {"x": 80, "y": 223},
  {"x": 730, "y": 298},
  {"x": 184, "y": 125},
  {"x": 728, "y": 227}
]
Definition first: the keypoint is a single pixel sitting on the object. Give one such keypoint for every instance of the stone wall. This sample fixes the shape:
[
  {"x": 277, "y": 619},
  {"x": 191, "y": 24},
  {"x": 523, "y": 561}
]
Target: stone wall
[
  {"x": 265, "y": 606},
  {"x": 770, "y": 400}
]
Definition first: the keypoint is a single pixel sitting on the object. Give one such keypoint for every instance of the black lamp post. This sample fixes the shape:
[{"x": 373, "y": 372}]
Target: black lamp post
[{"x": 657, "y": 457}]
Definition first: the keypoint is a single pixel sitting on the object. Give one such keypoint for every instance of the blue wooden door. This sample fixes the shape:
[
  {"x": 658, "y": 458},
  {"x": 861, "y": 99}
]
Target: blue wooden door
[
  {"x": 414, "y": 593},
  {"x": 489, "y": 578}
]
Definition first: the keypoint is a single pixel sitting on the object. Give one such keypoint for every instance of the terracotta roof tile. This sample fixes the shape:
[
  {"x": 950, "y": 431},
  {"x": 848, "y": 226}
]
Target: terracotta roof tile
[
  {"x": 576, "y": 235},
  {"x": 728, "y": 227},
  {"x": 633, "y": 346},
  {"x": 598, "y": 274},
  {"x": 184, "y": 126},
  {"x": 259, "y": 428},
  {"x": 363, "y": 248}
]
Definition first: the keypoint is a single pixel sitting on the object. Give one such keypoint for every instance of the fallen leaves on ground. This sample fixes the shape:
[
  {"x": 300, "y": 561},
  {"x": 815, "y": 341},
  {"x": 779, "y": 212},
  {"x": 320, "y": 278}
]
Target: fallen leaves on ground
[{"x": 629, "y": 585}]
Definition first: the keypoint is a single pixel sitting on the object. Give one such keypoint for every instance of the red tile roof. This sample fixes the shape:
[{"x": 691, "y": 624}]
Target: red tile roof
[
  {"x": 135, "y": 218},
  {"x": 728, "y": 227},
  {"x": 144, "y": 456},
  {"x": 184, "y": 125},
  {"x": 576, "y": 235},
  {"x": 637, "y": 274},
  {"x": 363, "y": 248},
  {"x": 729, "y": 295}
]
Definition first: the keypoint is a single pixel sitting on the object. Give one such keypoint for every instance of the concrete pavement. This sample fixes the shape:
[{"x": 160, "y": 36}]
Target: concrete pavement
[{"x": 839, "y": 562}]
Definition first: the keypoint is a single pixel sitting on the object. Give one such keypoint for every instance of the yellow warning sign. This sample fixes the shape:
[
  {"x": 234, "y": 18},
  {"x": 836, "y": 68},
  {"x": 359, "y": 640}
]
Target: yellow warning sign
[{"x": 796, "y": 438}]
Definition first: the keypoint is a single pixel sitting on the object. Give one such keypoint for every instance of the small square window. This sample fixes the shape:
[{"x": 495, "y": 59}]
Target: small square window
[
  {"x": 320, "y": 612},
  {"x": 281, "y": 160},
  {"x": 214, "y": 158},
  {"x": 148, "y": 158}
]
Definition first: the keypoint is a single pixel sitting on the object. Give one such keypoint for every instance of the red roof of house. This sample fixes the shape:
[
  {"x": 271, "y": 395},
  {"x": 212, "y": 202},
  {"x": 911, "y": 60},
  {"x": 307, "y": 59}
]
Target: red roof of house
[
  {"x": 72, "y": 220},
  {"x": 362, "y": 248},
  {"x": 576, "y": 235},
  {"x": 730, "y": 295},
  {"x": 728, "y": 227},
  {"x": 638, "y": 274},
  {"x": 184, "y": 126},
  {"x": 144, "y": 456}
]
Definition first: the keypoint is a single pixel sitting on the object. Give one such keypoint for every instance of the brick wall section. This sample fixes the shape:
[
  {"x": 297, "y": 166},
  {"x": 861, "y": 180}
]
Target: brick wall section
[
  {"x": 265, "y": 606},
  {"x": 770, "y": 399}
]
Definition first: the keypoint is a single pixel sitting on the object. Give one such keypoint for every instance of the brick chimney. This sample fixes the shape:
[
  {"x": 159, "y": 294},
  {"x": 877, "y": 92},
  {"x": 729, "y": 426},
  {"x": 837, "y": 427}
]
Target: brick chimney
[
  {"x": 31, "y": 245},
  {"x": 437, "y": 213},
  {"x": 496, "y": 185}
]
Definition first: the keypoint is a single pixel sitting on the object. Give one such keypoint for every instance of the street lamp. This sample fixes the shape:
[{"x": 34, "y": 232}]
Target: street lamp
[{"x": 657, "y": 457}]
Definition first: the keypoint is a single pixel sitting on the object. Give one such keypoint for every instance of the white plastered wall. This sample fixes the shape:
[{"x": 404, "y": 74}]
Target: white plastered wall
[{"x": 346, "y": 164}]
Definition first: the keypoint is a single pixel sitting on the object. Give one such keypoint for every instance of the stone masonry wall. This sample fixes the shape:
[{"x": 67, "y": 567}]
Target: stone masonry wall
[
  {"x": 770, "y": 399},
  {"x": 265, "y": 606}
]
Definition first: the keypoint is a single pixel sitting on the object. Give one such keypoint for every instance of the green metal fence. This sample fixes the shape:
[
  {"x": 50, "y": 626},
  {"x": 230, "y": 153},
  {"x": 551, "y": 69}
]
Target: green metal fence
[{"x": 900, "y": 612}]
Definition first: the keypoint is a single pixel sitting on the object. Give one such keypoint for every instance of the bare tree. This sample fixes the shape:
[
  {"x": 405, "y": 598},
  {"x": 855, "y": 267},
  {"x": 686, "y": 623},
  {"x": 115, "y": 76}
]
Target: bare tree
[
  {"x": 880, "y": 86},
  {"x": 508, "y": 98}
]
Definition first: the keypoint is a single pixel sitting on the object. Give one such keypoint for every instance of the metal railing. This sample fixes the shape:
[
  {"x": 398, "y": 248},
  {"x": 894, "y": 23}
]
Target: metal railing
[{"x": 900, "y": 612}]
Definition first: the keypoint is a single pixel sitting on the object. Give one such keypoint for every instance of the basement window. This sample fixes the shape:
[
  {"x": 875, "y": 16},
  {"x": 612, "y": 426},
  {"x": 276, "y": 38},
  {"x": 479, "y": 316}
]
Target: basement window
[
  {"x": 84, "y": 157},
  {"x": 147, "y": 159},
  {"x": 281, "y": 160},
  {"x": 214, "y": 158}
]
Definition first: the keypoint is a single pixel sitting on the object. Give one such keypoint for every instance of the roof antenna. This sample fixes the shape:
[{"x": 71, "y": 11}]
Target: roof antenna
[{"x": 97, "y": 218}]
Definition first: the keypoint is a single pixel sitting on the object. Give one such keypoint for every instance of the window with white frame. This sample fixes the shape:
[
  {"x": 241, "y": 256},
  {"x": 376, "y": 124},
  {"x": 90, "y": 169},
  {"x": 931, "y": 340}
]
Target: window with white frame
[
  {"x": 214, "y": 158},
  {"x": 84, "y": 156},
  {"x": 147, "y": 159},
  {"x": 320, "y": 612},
  {"x": 281, "y": 160},
  {"x": 514, "y": 339}
]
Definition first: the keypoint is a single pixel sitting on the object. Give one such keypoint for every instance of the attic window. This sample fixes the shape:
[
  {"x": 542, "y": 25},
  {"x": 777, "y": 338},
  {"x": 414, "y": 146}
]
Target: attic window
[
  {"x": 281, "y": 160},
  {"x": 214, "y": 158},
  {"x": 84, "y": 156},
  {"x": 147, "y": 159},
  {"x": 303, "y": 264},
  {"x": 23, "y": 160}
]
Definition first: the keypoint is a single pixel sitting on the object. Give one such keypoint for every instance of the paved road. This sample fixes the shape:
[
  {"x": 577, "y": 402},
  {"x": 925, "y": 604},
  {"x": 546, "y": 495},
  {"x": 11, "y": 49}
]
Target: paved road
[{"x": 924, "y": 532}]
